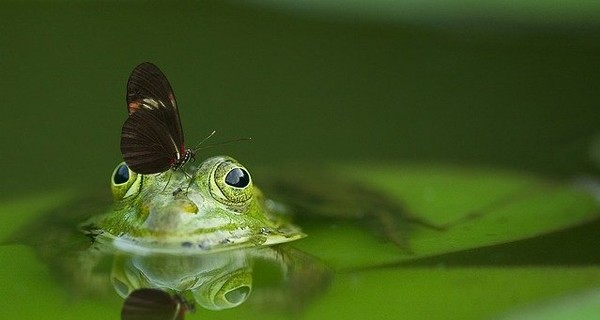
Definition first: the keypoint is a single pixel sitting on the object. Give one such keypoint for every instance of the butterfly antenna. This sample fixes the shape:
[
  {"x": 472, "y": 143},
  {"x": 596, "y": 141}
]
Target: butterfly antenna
[{"x": 204, "y": 140}]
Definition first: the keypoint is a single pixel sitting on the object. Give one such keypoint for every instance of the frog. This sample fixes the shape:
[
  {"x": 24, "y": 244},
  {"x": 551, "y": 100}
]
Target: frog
[
  {"x": 197, "y": 235},
  {"x": 215, "y": 207}
]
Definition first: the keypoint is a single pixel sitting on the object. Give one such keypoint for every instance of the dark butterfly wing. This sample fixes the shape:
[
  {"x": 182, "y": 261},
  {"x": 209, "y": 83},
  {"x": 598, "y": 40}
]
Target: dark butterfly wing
[
  {"x": 151, "y": 304},
  {"x": 146, "y": 143},
  {"x": 152, "y": 137},
  {"x": 148, "y": 82},
  {"x": 148, "y": 88}
]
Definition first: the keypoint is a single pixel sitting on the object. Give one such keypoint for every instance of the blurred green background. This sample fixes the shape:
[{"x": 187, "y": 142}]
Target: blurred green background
[
  {"x": 511, "y": 84},
  {"x": 500, "y": 84}
]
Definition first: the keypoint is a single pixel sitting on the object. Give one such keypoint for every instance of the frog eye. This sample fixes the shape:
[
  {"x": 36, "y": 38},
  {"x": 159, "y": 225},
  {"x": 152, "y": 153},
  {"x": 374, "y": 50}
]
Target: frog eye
[
  {"x": 238, "y": 178},
  {"x": 225, "y": 292},
  {"x": 231, "y": 183},
  {"x": 124, "y": 182},
  {"x": 121, "y": 174}
]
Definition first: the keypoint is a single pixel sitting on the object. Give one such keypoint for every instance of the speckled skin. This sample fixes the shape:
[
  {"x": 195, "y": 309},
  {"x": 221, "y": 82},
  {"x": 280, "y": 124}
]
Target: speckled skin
[{"x": 199, "y": 211}]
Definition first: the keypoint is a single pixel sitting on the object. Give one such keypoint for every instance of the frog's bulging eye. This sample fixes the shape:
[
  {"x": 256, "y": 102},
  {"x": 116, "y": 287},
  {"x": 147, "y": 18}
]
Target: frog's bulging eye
[
  {"x": 231, "y": 183},
  {"x": 121, "y": 174},
  {"x": 237, "y": 177},
  {"x": 124, "y": 182}
]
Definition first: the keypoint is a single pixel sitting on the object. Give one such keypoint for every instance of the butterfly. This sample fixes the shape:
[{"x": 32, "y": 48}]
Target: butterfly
[
  {"x": 155, "y": 304},
  {"x": 152, "y": 136}
]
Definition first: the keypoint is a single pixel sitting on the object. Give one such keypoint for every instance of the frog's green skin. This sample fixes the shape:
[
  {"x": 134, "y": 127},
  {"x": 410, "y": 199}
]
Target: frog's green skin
[{"x": 173, "y": 212}]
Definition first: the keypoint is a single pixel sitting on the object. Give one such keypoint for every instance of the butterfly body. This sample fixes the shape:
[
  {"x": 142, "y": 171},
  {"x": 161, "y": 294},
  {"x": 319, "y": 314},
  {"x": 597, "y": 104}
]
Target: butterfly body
[{"x": 188, "y": 154}]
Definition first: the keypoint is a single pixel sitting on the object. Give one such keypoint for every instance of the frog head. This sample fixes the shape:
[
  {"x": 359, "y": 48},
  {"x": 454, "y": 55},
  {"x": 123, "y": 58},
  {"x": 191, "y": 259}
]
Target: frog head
[{"x": 214, "y": 207}]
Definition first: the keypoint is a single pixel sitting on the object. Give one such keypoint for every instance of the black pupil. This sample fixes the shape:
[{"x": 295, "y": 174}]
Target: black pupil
[
  {"x": 122, "y": 175},
  {"x": 238, "y": 178}
]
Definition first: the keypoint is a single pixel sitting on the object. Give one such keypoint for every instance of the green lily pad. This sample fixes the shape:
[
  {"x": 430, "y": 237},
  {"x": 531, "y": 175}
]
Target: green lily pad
[
  {"x": 579, "y": 305},
  {"x": 437, "y": 293},
  {"x": 481, "y": 207}
]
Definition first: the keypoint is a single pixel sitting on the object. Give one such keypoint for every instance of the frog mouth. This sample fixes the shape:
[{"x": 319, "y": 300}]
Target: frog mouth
[{"x": 171, "y": 216}]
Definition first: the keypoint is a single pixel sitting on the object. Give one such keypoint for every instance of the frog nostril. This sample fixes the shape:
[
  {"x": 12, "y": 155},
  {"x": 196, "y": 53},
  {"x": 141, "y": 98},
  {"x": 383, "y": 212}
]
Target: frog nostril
[{"x": 189, "y": 206}]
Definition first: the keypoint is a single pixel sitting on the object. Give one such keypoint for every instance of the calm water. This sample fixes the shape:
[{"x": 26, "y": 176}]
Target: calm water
[{"x": 306, "y": 89}]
